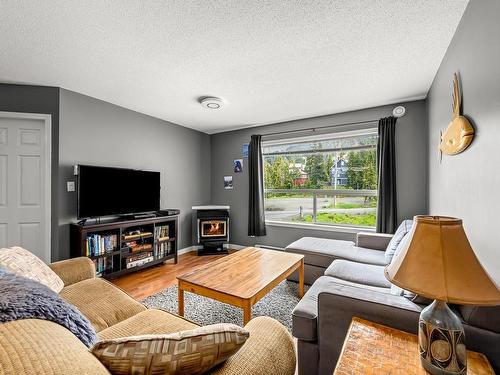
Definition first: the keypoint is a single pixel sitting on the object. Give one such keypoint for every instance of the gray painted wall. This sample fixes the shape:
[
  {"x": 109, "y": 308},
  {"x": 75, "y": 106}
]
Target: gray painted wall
[
  {"x": 411, "y": 134},
  {"x": 39, "y": 99},
  {"x": 466, "y": 185},
  {"x": 95, "y": 132}
]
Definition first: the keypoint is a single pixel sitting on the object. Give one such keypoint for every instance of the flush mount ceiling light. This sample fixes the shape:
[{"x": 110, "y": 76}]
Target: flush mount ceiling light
[
  {"x": 211, "y": 102},
  {"x": 399, "y": 111}
]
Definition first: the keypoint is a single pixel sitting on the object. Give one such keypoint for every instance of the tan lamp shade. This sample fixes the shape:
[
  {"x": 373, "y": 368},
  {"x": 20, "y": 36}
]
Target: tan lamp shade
[{"x": 437, "y": 261}]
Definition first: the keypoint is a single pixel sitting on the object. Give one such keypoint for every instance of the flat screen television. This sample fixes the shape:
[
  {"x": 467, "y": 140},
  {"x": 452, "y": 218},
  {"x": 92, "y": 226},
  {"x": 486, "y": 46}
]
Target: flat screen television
[{"x": 105, "y": 191}]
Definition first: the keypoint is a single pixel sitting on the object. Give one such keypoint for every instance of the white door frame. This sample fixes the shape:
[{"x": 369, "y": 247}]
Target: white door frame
[{"x": 47, "y": 119}]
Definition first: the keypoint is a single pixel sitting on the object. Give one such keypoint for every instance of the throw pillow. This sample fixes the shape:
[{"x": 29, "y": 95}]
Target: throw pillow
[
  {"x": 401, "y": 232},
  {"x": 187, "y": 352},
  {"x": 23, "y": 263}
]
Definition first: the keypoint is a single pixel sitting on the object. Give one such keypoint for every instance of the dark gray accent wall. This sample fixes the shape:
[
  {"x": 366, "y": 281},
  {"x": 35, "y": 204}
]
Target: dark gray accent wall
[
  {"x": 39, "y": 99},
  {"x": 466, "y": 185},
  {"x": 411, "y": 151},
  {"x": 99, "y": 133}
]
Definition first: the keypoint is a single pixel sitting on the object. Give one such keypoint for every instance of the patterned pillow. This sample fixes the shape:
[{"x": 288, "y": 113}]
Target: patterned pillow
[
  {"x": 187, "y": 352},
  {"x": 401, "y": 232},
  {"x": 23, "y": 263}
]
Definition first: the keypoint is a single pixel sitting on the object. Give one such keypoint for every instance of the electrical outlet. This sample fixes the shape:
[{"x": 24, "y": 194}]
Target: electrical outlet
[{"x": 70, "y": 185}]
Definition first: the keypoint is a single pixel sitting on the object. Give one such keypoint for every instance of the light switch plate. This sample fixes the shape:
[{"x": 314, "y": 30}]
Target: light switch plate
[{"x": 70, "y": 185}]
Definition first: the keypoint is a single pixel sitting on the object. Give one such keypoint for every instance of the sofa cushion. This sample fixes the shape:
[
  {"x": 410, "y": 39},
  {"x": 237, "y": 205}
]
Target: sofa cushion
[
  {"x": 148, "y": 322},
  {"x": 23, "y": 263},
  {"x": 269, "y": 350},
  {"x": 395, "y": 242},
  {"x": 193, "y": 351},
  {"x": 322, "y": 252},
  {"x": 368, "y": 256},
  {"x": 305, "y": 314},
  {"x": 101, "y": 302},
  {"x": 359, "y": 273},
  {"x": 35, "y": 346},
  {"x": 486, "y": 317}
]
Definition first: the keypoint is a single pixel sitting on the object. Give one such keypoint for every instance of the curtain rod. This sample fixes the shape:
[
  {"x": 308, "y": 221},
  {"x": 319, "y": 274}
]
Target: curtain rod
[{"x": 319, "y": 128}]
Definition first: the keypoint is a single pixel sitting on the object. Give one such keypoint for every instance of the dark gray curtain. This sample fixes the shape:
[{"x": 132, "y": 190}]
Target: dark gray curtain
[
  {"x": 386, "y": 167},
  {"x": 256, "y": 218}
]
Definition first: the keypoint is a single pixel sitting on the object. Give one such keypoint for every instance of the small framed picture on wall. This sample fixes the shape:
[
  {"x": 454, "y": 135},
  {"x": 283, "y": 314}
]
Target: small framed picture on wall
[
  {"x": 238, "y": 165},
  {"x": 228, "y": 182}
]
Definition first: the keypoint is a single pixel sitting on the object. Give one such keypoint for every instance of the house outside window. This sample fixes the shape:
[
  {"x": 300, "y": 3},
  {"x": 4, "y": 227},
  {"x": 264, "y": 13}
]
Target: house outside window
[{"x": 328, "y": 179}]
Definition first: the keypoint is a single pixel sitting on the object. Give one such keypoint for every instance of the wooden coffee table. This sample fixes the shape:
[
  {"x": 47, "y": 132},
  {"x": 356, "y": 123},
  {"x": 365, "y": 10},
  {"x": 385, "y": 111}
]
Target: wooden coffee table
[{"x": 242, "y": 278}]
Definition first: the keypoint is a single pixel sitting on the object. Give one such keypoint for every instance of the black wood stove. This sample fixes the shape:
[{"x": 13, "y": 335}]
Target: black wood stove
[{"x": 211, "y": 227}]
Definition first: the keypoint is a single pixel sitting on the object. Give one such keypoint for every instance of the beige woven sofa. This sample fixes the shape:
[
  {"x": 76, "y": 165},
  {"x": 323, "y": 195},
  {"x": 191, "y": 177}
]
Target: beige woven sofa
[{"x": 33, "y": 346}]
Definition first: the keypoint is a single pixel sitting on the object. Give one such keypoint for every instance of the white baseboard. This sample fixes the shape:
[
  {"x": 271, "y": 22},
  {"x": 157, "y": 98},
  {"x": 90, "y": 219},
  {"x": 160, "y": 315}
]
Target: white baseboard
[
  {"x": 187, "y": 250},
  {"x": 235, "y": 247}
]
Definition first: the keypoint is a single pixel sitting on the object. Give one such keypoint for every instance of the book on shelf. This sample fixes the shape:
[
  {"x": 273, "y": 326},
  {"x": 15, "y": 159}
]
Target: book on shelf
[
  {"x": 140, "y": 256},
  {"x": 103, "y": 265},
  {"x": 133, "y": 236},
  {"x": 97, "y": 244},
  {"x": 162, "y": 232},
  {"x": 138, "y": 247},
  {"x": 140, "y": 262},
  {"x": 163, "y": 249}
]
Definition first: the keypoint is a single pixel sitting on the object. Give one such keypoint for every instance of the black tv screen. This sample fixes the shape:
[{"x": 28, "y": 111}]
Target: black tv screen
[{"x": 105, "y": 191}]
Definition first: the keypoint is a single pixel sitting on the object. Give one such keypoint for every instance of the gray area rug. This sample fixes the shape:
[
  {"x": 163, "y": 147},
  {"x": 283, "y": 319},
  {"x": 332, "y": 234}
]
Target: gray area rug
[{"x": 277, "y": 304}]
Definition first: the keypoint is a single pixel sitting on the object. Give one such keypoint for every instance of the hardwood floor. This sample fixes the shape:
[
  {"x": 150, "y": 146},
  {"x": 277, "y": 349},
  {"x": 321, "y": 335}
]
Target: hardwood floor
[{"x": 144, "y": 283}]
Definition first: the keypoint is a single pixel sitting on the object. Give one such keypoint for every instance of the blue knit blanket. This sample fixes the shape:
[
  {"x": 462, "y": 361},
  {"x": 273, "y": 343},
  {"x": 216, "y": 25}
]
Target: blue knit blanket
[{"x": 22, "y": 298}]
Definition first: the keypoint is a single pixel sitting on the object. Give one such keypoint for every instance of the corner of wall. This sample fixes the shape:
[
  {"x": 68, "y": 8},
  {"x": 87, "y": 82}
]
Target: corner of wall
[{"x": 427, "y": 153}]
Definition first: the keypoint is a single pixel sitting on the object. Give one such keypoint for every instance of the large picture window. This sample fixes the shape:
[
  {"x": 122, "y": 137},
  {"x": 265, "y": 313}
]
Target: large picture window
[{"x": 329, "y": 179}]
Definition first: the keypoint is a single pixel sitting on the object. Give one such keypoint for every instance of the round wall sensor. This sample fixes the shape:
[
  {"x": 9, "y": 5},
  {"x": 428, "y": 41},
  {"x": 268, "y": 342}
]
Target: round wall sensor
[
  {"x": 211, "y": 103},
  {"x": 399, "y": 111}
]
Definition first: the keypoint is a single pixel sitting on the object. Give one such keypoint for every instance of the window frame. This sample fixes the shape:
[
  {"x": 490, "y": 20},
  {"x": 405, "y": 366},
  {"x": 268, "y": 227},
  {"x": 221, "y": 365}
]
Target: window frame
[{"x": 315, "y": 225}]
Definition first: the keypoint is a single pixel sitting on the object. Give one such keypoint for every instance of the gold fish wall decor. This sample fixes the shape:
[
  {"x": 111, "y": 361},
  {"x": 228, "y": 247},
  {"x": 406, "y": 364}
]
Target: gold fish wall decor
[{"x": 459, "y": 133}]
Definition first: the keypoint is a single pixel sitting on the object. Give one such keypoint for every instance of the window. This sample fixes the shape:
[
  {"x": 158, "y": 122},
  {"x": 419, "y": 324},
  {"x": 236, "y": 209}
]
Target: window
[{"x": 329, "y": 179}]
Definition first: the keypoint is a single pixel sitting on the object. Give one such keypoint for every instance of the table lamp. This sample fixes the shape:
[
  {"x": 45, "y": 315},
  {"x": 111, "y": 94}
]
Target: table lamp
[{"x": 437, "y": 261}]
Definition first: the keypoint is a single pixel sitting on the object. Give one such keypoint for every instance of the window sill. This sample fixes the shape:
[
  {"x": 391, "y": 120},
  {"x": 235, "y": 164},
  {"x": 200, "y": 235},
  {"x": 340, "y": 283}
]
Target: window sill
[{"x": 323, "y": 227}]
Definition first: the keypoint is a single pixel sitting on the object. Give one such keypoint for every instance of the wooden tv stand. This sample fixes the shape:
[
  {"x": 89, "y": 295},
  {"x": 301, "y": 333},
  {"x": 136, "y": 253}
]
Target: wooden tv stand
[{"x": 128, "y": 245}]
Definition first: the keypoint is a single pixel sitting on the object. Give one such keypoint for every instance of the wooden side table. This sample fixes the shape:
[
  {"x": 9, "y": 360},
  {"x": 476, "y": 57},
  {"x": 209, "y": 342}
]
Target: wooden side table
[{"x": 374, "y": 349}]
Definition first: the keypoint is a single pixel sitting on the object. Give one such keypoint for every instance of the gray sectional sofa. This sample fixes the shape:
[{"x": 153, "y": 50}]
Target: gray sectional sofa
[
  {"x": 319, "y": 253},
  {"x": 347, "y": 279}
]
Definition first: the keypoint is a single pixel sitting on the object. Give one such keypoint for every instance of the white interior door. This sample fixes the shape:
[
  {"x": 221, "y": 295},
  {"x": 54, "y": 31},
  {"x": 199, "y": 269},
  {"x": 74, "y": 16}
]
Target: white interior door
[{"x": 25, "y": 182}]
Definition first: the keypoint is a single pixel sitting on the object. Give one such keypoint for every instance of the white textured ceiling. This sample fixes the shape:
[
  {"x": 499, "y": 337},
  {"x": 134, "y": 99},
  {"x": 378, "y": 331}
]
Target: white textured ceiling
[{"x": 270, "y": 60}]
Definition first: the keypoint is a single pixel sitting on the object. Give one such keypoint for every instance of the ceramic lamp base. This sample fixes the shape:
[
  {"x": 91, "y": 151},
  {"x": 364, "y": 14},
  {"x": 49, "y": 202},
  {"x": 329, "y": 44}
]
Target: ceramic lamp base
[{"x": 441, "y": 340}]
